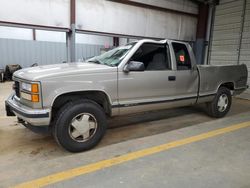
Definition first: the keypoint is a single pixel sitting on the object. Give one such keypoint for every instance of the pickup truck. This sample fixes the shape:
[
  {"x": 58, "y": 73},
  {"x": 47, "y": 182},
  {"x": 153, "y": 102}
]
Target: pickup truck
[{"x": 75, "y": 99}]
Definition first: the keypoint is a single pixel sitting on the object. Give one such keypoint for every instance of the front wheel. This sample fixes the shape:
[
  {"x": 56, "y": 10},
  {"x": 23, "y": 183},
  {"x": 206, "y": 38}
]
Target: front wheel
[
  {"x": 221, "y": 104},
  {"x": 80, "y": 125}
]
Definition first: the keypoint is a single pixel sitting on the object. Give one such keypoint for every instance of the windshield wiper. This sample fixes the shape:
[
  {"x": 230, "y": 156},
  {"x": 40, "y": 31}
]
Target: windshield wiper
[
  {"x": 95, "y": 61},
  {"x": 111, "y": 65},
  {"x": 99, "y": 62}
]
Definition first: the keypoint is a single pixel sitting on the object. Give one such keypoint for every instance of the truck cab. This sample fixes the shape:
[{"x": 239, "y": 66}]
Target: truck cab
[{"x": 169, "y": 74}]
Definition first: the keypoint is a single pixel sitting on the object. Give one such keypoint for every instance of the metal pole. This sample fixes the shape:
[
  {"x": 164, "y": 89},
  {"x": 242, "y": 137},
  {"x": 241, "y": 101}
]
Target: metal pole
[
  {"x": 34, "y": 34},
  {"x": 211, "y": 33},
  {"x": 67, "y": 47},
  {"x": 200, "y": 42},
  {"x": 71, "y": 35},
  {"x": 208, "y": 34},
  {"x": 72, "y": 43}
]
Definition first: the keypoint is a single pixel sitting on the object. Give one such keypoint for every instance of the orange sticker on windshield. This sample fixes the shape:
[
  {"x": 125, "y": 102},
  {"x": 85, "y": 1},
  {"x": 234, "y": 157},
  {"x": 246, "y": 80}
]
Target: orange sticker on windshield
[{"x": 182, "y": 58}]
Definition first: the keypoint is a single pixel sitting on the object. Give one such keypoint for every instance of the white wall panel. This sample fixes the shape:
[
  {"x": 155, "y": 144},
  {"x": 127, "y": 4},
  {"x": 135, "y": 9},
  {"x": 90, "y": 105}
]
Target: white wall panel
[
  {"x": 94, "y": 39},
  {"x": 106, "y": 16},
  {"x": 180, "y": 5},
  {"x": 50, "y": 36},
  {"x": 15, "y": 33},
  {"x": 55, "y": 13},
  {"x": 110, "y": 17}
]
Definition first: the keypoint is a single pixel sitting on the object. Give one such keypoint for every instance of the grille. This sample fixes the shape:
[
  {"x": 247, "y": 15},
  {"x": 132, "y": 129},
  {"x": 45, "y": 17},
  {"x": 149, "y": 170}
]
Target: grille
[{"x": 17, "y": 88}]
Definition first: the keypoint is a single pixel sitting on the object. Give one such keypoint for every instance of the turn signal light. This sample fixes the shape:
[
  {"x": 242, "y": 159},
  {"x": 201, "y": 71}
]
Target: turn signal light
[
  {"x": 34, "y": 88},
  {"x": 35, "y": 98}
]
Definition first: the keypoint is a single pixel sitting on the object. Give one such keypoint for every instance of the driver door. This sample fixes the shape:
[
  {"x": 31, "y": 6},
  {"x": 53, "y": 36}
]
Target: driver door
[{"x": 151, "y": 89}]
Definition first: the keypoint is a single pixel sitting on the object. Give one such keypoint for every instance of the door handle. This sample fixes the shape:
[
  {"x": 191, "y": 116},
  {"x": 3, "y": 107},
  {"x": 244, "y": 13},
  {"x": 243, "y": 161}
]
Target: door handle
[{"x": 171, "y": 78}]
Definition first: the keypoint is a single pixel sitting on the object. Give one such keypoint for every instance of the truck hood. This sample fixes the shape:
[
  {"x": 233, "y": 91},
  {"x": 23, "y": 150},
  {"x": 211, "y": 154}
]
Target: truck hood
[{"x": 63, "y": 69}]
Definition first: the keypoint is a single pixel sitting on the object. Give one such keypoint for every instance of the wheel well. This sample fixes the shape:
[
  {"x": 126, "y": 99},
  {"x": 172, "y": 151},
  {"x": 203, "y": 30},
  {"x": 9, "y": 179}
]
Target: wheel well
[
  {"x": 229, "y": 85},
  {"x": 97, "y": 96}
]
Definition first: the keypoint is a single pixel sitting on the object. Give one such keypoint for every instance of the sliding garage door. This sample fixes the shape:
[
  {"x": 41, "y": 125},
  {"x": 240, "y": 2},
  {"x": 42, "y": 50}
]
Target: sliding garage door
[
  {"x": 245, "y": 44},
  {"x": 226, "y": 32},
  {"x": 230, "y": 42}
]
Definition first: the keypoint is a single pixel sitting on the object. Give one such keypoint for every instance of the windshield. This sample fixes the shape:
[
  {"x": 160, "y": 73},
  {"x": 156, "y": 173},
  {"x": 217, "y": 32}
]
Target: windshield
[{"x": 112, "y": 57}]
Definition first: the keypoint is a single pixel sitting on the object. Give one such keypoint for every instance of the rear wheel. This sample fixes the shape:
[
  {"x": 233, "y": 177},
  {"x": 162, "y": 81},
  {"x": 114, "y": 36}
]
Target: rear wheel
[
  {"x": 221, "y": 104},
  {"x": 80, "y": 125}
]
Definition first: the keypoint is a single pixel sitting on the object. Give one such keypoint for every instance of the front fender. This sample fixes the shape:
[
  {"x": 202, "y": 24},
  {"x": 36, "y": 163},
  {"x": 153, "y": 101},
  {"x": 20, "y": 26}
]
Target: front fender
[{"x": 106, "y": 83}]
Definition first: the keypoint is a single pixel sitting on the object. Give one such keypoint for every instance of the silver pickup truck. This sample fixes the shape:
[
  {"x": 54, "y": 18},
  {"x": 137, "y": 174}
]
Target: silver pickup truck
[{"x": 75, "y": 99}]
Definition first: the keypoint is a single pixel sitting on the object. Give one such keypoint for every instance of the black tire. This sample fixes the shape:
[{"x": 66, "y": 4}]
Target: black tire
[
  {"x": 213, "y": 107},
  {"x": 63, "y": 125}
]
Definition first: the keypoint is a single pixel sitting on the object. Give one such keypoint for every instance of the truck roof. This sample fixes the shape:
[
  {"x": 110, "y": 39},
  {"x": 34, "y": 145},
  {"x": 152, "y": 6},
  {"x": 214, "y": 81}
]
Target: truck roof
[{"x": 160, "y": 41}]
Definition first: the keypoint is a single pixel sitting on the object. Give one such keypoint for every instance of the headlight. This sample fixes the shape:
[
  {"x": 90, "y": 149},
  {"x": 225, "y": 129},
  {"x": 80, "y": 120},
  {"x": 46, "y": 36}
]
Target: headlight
[
  {"x": 30, "y": 87},
  {"x": 26, "y": 86},
  {"x": 26, "y": 96},
  {"x": 30, "y": 91}
]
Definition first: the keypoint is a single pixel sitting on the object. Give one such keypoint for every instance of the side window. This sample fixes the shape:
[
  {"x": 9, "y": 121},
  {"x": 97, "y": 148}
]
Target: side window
[
  {"x": 182, "y": 56},
  {"x": 154, "y": 56}
]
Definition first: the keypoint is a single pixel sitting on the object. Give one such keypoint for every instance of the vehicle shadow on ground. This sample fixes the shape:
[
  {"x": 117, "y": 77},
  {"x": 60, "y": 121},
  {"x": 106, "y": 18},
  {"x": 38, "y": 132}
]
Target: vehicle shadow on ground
[
  {"x": 133, "y": 120},
  {"x": 152, "y": 123}
]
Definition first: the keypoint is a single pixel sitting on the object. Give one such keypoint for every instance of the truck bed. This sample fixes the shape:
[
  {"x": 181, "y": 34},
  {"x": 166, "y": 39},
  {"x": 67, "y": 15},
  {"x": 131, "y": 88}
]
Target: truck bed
[{"x": 213, "y": 76}]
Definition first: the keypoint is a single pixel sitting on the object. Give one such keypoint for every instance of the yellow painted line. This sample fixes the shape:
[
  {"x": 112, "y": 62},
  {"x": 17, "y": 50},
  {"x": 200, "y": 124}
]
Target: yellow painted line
[{"x": 68, "y": 174}]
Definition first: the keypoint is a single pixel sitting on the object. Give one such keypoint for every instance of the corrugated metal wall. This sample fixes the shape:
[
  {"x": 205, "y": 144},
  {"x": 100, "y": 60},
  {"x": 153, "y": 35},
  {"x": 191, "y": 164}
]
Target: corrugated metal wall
[
  {"x": 245, "y": 44},
  {"x": 85, "y": 51},
  {"x": 226, "y": 32},
  {"x": 27, "y": 52},
  {"x": 230, "y": 42}
]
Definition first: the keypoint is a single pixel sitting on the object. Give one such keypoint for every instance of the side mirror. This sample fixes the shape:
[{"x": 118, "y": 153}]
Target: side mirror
[{"x": 134, "y": 66}]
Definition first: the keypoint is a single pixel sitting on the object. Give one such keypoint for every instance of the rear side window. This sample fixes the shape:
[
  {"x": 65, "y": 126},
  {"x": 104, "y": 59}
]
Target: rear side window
[{"x": 182, "y": 56}]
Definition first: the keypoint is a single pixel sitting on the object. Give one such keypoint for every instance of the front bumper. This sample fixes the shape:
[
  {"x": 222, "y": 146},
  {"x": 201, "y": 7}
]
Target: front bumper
[{"x": 36, "y": 117}]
